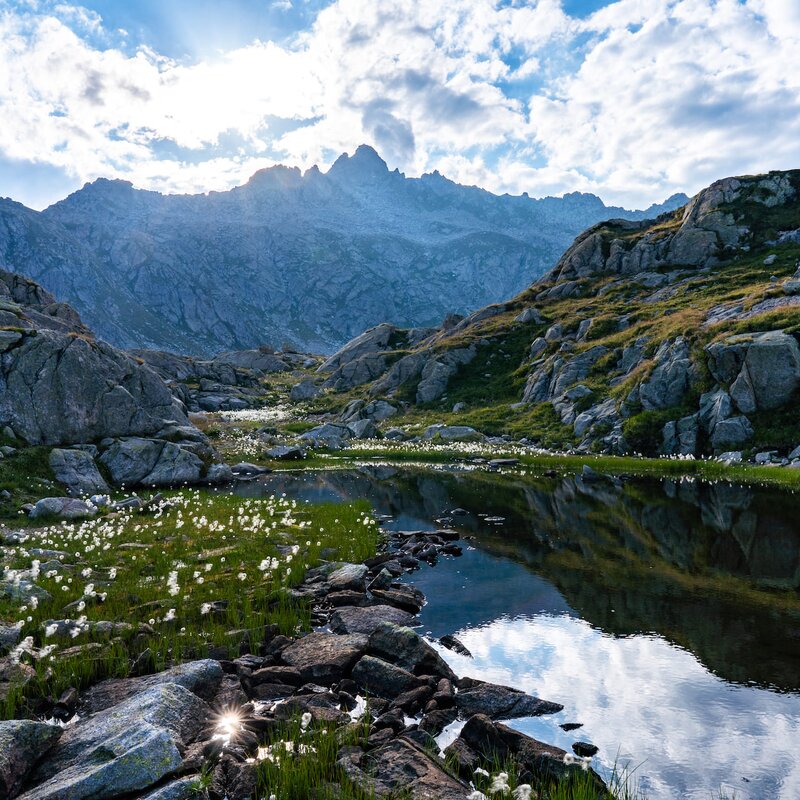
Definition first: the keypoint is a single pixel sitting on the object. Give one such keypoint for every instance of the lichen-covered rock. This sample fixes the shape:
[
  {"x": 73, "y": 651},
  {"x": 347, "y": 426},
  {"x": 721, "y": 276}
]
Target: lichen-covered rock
[
  {"x": 151, "y": 462},
  {"x": 407, "y": 649},
  {"x": 122, "y": 750},
  {"x": 22, "y": 744}
]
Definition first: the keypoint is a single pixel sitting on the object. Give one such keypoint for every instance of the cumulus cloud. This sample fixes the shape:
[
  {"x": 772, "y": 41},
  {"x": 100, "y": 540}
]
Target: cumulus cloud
[{"x": 640, "y": 99}]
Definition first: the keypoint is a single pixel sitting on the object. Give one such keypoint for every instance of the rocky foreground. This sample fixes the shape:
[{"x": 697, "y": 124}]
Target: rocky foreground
[{"x": 211, "y": 725}]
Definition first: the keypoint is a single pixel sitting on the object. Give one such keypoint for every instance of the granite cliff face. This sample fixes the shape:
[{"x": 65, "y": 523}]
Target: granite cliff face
[
  {"x": 311, "y": 258},
  {"x": 61, "y": 387},
  {"x": 677, "y": 335}
]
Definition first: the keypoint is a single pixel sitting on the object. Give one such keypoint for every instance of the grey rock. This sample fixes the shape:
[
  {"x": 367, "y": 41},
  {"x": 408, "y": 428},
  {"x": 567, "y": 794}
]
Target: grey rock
[
  {"x": 325, "y": 657},
  {"x": 246, "y": 469},
  {"x": 63, "y": 508},
  {"x": 201, "y": 678},
  {"x": 671, "y": 377},
  {"x": 402, "y": 767},
  {"x": 770, "y": 260},
  {"x": 105, "y": 756},
  {"x": 438, "y": 370},
  {"x": 151, "y": 462},
  {"x": 452, "y": 433},
  {"x": 501, "y": 702},
  {"x": 530, "y": 315},
  {"x": 538, "y": 346},
  {"x": 304, "y": 390},
  {"x": 350, "y": 577},
  {"x": 180, "y": 789},
  {"x": 382, "y": 678},
  {"x": 219, "y": 473},
  {"x": 354, "y": 619},
  {"x": 60, "y": 386},
  {"x": 731, "y": 432},
  {"x": 9, "y": 638},
  {"x": 763, "y": 369},
  {"x": 286, "y": 453},
  {"x": 328, "y": 435},
  {"x": 363, "y": 429},
  {"x": 407, "y": 649},
  {"x": 22, "y": 744}
]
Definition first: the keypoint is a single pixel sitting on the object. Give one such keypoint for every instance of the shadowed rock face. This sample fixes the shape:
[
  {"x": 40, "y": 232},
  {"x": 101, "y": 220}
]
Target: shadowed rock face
[
  {"x": 58, "y": 385},
  {"x": 314, "y": 258}
]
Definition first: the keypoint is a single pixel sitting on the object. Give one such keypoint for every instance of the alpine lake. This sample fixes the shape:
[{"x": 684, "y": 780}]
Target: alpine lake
[{"x": 663, "y": 614}]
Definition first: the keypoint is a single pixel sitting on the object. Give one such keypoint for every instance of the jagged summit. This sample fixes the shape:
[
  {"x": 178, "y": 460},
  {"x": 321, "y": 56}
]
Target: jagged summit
[{"x": 308, "y": 258}]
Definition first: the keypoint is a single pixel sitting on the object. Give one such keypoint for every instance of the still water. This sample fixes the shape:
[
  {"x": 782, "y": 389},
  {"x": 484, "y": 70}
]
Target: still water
[{"x": 664, "y": 616}]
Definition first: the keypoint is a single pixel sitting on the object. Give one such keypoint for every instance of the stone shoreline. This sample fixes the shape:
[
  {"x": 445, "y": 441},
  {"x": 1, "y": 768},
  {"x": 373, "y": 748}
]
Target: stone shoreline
[{"x": 152, "y": 737}]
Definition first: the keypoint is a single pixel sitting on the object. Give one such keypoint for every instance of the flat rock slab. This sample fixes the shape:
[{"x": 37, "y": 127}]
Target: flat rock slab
[
  {"x": 199, "y": 677},
  {"x": 325, "y": 657},
  {"x": 403, "y": 767},
  {"x": 22, "y": 744},
  {"x": 124, "y": 749},
  {"x": 352, "y": 619},
  {"x": 350, "y": 577},
  {"x": 502, "y": 702}
]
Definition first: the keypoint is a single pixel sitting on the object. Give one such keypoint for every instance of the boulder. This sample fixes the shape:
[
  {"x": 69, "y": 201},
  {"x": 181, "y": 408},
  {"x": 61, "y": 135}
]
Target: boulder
[
  {"x": 180, "y": 789},
  {"x": 363, "y": 429},
  {"x": 201, "y": 678},
  {"x": 382, "y": 678},
  {"x": 438, "y": 370},
  {"x": 407, "y": 649},
  {"x": 60, "y": 386},
  {"x": 286, "y": 453},
  {"x": 304, "y": 390},
  {"x": 670, "y": 378},
  {"x": 452, "y": 433},
  {"x": 325, "y": 657},
  {"x": 349, "y": 577},
  {"x": 731, "y": 432},
  {"x": 329, "y": 435},
  {"x": 107, "y": 756},
  {"x": 9, "y": 638},
  {"x": 495, "y": 742},
  {"x": 63, "y": 508},
  {"x": 355, "y": 619},
  {"x": 22, "y": 745},
  {"x": 151, "y": 462},
  {"x": 402, "y": 768},
  {"x": 762, "y": 369},
  {"x": 501, "y": 702},
  {"x": 76, "y": 470},
  {"x": 530, "y": 314}
]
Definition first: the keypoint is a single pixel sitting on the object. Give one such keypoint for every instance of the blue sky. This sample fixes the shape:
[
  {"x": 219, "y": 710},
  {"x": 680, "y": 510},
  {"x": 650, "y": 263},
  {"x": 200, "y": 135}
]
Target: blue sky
[{"x": 631, "y": 99}]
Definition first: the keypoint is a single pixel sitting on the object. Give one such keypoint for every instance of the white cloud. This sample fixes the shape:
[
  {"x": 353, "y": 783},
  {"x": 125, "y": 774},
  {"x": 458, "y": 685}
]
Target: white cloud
[{"x": 643, "y": 98}]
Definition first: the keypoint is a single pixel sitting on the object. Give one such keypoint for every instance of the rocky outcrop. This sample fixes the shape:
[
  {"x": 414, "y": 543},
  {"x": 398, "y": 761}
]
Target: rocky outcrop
[
  {"x": 761, "y": 370},
  {"x": 60, "y": 386},
  {"x": 22, "y": 744},
  {"x": 696, "y": 236}
]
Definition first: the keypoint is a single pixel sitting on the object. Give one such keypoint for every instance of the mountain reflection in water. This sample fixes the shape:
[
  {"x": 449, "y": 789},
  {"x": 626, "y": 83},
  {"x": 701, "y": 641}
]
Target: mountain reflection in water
[{"x": 665, "y": 616}]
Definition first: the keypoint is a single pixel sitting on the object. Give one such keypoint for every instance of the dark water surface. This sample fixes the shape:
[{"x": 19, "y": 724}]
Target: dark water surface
[{"x": 664, "y": 616}]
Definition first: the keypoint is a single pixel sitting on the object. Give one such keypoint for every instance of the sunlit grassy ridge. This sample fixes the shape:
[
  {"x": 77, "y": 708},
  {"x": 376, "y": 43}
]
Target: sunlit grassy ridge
[{"x": 200, "y": 571}]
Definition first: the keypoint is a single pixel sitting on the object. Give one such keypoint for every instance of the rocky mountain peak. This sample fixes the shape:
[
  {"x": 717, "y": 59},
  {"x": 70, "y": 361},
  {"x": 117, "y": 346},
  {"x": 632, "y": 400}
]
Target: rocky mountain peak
[{"x": 364, "y": 164}]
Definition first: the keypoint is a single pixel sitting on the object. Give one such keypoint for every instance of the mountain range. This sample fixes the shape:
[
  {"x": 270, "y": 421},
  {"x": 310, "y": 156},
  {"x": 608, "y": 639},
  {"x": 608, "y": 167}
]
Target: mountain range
[{"x": 309, "y": 259}]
